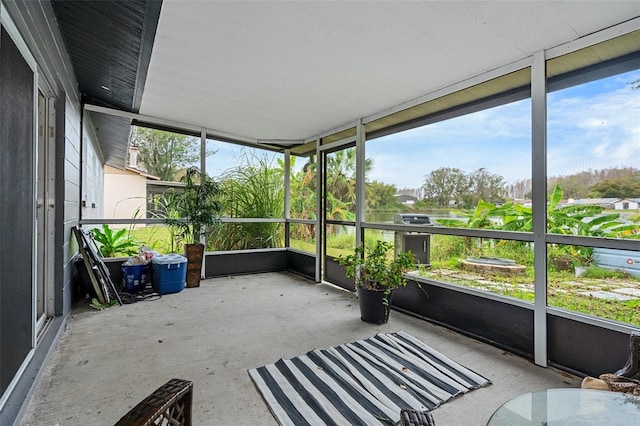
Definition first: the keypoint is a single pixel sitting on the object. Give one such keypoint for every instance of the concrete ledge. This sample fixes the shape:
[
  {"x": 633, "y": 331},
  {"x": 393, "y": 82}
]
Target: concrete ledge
[{"x": 494, "y": 268}]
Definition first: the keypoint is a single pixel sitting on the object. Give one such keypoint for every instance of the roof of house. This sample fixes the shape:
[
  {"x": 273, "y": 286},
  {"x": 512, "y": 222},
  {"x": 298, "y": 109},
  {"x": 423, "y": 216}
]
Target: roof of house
[
  {"x": 594, "y": 201},
  {"x": 110, "y": 170},
  {"x": 406, "y": 196},
  {"x": 621, "y": 200}
]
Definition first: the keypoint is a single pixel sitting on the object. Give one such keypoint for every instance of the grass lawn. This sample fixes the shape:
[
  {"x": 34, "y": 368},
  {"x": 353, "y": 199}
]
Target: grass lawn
[
  {"x": 156, "y": 237},
  {"x": 564, "y": 290}
]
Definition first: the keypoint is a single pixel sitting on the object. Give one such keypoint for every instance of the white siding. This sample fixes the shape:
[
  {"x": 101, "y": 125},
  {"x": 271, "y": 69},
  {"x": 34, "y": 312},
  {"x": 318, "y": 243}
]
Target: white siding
[{"x": 630, "y": 205}]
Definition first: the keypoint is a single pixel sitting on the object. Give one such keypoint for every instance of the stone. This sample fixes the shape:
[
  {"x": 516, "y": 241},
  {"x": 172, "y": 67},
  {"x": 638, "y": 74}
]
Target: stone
[
  {"x": 628, "y": 291},
  {"x": 607, "y": 295}
]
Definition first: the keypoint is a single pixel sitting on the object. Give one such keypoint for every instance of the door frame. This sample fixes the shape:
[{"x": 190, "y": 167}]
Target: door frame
[
  {"x": 323, "y": 222},
  {"x": 45, "y": 211}
]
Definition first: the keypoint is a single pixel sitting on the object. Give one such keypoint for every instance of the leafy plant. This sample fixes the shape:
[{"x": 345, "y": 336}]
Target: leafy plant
[
  {"x": 95, "y": 304},
  {"x": 372, "y": 269},
  {"x": 585, "y": 220},
  {"x": 197, "y": 206},
  {"x": 111, "y": 243},
  {"x": 572, "y": 255}
]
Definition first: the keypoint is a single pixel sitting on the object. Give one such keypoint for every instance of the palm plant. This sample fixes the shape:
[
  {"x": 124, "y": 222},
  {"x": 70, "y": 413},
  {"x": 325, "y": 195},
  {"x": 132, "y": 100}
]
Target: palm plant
[
  {"x": 198, "y": 206},
  {"x": 303, "y": 191},
  {"x": 341, "y": 176},
  {"x": 303, "y": 199}
]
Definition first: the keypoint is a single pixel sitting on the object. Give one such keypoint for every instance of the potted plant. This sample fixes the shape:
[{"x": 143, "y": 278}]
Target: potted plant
[
  {"x": 198, "y": 207},
  {"x": 376, "y": 276}
]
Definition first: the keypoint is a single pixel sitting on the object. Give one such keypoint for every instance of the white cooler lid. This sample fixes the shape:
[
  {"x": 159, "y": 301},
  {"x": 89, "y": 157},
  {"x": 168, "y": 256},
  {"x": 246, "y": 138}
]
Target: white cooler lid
[{"x": 168, "y": 259}]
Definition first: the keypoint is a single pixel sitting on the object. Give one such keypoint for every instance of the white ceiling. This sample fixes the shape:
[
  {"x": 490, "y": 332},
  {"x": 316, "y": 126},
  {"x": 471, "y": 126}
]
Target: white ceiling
[{"x": 292, "y": 70}]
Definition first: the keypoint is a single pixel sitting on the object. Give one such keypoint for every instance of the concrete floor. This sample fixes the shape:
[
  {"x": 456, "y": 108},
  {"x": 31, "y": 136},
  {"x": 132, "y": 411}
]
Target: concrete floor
[{"x": 106, "y": 362}]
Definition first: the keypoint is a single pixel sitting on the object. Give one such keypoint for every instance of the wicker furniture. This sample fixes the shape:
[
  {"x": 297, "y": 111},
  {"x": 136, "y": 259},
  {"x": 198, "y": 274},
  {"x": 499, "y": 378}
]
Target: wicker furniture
[
  {"x": 627, "y": 379},
  {"x": 410, "y": 417},
  {"x": 632, "y": 368},
  {"x": 170, "y": 404}
]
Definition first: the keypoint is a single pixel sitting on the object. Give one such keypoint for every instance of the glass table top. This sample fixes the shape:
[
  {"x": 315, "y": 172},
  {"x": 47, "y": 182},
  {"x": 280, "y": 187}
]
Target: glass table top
[{"x": 571, "y": 406}]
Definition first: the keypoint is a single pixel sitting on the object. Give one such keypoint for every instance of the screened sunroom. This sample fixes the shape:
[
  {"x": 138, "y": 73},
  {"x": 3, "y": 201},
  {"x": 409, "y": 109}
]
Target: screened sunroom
[{"x": 331, "y": 125}]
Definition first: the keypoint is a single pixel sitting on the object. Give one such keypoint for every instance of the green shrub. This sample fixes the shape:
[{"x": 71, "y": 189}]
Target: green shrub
[
  {"x": 254, "y": 188},
  {"x": 447, "y": 247},
  {"x": 343, "y": 241}
]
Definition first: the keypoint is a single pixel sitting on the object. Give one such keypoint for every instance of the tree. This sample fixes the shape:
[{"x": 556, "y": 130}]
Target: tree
[
  {"x": 341, "y": 176},
  {"x": 617, "y": 188},
  {"x": 303, "y": 198},
  {"x": 445, "y": 184},
  {"x": 303, "y": 190},
  {"x": 163, "y": 153},
  {"x": 483, "y": 185},
  {"x": 574, "y": 186},
  {"x": 580, "y": 185},
  {"x": 381, "y": 196},
  {"x": 520, "y": 189}
]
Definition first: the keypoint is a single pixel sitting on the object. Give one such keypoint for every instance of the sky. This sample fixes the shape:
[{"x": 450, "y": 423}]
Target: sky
[{"x": 590, "y": 126}]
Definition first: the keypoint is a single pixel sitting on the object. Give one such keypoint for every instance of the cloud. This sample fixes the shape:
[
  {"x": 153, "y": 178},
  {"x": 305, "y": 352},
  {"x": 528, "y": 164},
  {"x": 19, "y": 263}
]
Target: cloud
[
  {"x": 468, "y": 143},
  {"x": 591, "y": 126}
]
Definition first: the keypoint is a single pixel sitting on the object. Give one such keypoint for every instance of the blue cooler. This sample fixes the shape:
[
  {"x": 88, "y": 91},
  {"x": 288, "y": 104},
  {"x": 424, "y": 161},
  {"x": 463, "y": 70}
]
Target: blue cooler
[
  {"x": 134, "y": 277},
  {"x": 169, "y": 273}
]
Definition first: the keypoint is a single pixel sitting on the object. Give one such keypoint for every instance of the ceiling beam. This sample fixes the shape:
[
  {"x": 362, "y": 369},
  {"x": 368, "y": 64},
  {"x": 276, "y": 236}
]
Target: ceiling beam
[{"x": 176, "y": 125}]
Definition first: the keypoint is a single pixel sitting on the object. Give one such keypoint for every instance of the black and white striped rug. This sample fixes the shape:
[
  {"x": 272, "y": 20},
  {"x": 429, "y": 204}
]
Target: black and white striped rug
[{"x": 366, "y": 382}]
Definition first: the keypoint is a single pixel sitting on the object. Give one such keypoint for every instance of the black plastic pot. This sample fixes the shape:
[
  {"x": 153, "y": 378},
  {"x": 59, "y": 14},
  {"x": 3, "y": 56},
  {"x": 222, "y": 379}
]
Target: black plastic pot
[{"x": 372, "y": 307}]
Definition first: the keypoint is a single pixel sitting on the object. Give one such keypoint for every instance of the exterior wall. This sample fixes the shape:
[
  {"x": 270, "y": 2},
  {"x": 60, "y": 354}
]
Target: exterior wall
[
  {"x": 68, "y": 143},
  {"x": 36, "y": 25},
  {"x": 92, "y": 175},
  {"x": 125, "y": 195}
]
